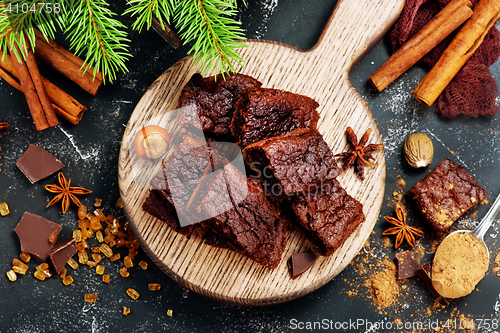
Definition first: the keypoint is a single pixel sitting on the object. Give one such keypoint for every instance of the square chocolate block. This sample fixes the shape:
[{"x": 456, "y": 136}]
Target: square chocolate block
[
  {"x": 37, "y": 163},
  {"x": 446, "y": 194},
  {"x": 262, "y": 113},
  {"x": 33, "y": 232},
  {"x": 213, "y": 99},
  {"x": 61, "y": 253},
  {"x": 292, "y": 163},
  {"x": 328, "y": 215}
]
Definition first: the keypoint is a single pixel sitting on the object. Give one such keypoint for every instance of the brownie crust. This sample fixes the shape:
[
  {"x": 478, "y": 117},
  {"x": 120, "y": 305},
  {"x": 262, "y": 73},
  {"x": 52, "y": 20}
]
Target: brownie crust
[
  {"x": 255, "y": 225},
  {"x": 329, "y": 215},
  {"x": 446, "y": 194},
  {"x": 214, "y": 98},
  {"x": 292, "y": 163},
  {"x": 261, "y": 113}
]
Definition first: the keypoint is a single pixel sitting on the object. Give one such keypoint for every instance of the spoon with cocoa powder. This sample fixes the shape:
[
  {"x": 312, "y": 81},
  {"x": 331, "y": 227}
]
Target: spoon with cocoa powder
[{"x": 462, "y": 258}]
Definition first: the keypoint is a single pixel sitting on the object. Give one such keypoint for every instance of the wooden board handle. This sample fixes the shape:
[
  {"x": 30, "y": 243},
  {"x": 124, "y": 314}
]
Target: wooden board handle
[{"x": 348, "y": 42}]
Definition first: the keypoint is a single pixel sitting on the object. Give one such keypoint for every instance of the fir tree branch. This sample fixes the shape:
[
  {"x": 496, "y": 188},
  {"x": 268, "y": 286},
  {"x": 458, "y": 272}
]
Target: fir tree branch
[
  {"x": 19, "y": 18},
  {"x": 209, "y": 24},
  {"x": 147, "y": 9},
  {"x": 91, "y": 27}
]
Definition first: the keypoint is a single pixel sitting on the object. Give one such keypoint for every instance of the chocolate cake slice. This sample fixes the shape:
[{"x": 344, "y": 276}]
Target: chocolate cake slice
[
  {"x": 254, "y": 226},
  {"x": 214, "y": 98},
  {"x": 329, "y": 215},
  {"x": 156, "y": 205},
  {"x": 179, "y": 177},
  {"x": 292, "y": 163},
  {"x": 446, "y": 194},
  {"x": 261, "y": 113}
]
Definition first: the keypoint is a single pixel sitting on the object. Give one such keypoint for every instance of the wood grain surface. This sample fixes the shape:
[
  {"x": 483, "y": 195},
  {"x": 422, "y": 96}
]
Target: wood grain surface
[{"x": 321, "y": 73}]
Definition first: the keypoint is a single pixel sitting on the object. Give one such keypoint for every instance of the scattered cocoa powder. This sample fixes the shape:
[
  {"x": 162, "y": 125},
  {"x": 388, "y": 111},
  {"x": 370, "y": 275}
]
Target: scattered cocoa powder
[
  {"x": 384, "y": 286},
  {"x": 401, "y": 183},
  {"x": 496, "y": 269}
]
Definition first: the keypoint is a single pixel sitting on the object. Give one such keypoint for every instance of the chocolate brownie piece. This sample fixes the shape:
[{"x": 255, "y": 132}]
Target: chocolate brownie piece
[
  {"x": 214, "y": 99},
  {"x": 179, "y": 177},
  {"x": 293, "y": 162},
  {"x": 446, "y": 194},
  {"x": 329, "y": 216},
  {"x": 254, "y": 225},
  {"x": 261, "y": 113},
  {"x": 156, "y": 205}
]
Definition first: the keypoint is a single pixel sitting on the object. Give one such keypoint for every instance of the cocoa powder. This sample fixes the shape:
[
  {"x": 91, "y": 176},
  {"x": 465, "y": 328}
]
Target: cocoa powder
[{"x": 459, "y": 264}]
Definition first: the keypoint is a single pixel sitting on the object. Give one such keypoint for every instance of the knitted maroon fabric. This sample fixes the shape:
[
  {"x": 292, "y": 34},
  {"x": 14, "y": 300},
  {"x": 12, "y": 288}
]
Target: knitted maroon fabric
[{"x": 473, "y": 91}]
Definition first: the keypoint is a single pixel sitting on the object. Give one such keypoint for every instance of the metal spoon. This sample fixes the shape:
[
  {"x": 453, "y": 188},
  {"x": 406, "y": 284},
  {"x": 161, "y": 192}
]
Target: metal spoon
[{"x": 484, "y": 225}]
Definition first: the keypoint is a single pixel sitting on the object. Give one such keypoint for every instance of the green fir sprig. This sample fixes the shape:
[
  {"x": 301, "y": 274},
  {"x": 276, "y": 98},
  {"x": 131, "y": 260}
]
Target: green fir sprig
[
  {"x": 214, "y": 32},
  {"x": 100, "y": 38},
  {"x": 91, "y": 26}
]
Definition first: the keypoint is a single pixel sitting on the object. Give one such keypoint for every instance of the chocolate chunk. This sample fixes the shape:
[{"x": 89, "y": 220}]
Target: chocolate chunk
[
  {"x": 37, "y": 163},
  {"x": 424, "y": 273},
  {"x": 407, "y": 266},
  {"x": 60, "y": 254},
  {"x": 300, "y": 262},
  {"x": 33, "y": 232}
]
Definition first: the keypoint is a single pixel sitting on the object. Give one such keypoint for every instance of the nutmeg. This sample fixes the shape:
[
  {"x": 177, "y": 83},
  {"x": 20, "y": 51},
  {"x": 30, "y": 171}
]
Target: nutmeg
[{"x": 418, "y": 150}]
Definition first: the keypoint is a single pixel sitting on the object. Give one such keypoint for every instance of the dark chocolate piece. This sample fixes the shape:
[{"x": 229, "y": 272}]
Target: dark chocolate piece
[
  {"x": 446, "y": 194},
  {"x": 213, "y": 99},
  {"x": 407, "y": 265},
  {"x": 424, "y": 273},
  {"x": 261, "y": 113},
  {"x": 33, "y": 232},
  {"x": 300, "y": 262},
  {"x": 37, "y": 163},
  {"x": 296, "y": 162},
  {"x": 329, "y": 216},
  {"x": 60, "y": 253}
]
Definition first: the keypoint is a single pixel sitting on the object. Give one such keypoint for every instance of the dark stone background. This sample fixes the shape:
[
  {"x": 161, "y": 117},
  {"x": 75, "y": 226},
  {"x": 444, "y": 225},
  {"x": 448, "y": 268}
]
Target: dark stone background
[{"x": 90, "y": 153}]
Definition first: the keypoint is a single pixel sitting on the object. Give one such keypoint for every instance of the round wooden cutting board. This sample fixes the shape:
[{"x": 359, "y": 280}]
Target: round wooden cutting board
[{"x": 320, "y": 73}]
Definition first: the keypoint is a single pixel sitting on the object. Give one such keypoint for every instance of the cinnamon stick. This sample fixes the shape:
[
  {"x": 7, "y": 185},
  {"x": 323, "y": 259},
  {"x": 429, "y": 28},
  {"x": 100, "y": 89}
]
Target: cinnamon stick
[
  {"x": 461, "y": 48},
  {"x": 67, "y": 64},
  {"x": 445, "y": 22},
  {"x": 41, "y": 91},
  {"x": 41, "y": 109},
  {"x": 64, "y": 104}
]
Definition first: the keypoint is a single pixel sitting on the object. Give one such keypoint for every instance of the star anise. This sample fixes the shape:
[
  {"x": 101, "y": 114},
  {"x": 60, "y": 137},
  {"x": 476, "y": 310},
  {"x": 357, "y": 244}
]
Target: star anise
[
  {"x": 66, "y": 193},
  {"x": 402, "y": 230},
  {"x": 360, "y": 155}
]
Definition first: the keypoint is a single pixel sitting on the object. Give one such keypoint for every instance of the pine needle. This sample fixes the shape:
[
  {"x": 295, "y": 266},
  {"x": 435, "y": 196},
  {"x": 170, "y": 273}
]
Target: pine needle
[
  {"x": 101, "y": 39},
  {"x": 91, "y": 27},
  {"x": 209, "y": 24}
]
